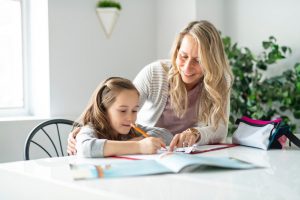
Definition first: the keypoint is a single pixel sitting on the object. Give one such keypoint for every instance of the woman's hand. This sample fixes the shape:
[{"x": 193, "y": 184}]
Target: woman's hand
[
  {"x": 71, "y": 149},
  {"x": 150, "y": 145},
  {"x": 185, "y": 139}
]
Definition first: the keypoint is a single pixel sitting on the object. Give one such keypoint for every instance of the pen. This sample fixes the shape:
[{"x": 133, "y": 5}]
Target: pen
[{"x": 141, "y": 131}]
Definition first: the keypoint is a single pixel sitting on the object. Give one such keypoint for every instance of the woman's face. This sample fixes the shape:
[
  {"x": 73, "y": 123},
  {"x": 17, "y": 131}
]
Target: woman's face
[
  {"x": 188, "y": 62},
  {"x": 123, "y": 111}
]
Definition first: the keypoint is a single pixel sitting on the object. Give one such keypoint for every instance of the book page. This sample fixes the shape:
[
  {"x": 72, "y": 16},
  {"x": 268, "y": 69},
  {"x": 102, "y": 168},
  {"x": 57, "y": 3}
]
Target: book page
[
  {"x": 179, "y": 161},
  {"x": 117, "y": 169},
  {"x": 188, "y": 150},
  {"x": 199, "y": 149}
]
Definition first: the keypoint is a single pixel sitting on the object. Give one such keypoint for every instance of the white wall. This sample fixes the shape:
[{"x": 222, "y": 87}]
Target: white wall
[
  {"x": 213, "y": 11},
  {"x": 12, "y": 138},
  {"x": 81, "y": 56},
  {"x": 251, "y": 22},
  {"x": 172, "y": 16}
]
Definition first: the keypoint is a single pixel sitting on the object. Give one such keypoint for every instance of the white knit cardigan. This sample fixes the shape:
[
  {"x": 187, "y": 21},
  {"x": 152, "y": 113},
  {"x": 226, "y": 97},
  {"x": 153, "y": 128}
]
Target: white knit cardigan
[{"x": 152, "y": 83}]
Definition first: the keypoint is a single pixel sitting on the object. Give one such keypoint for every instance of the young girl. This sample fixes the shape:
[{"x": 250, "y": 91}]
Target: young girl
[{"x": 107, "y": 123}]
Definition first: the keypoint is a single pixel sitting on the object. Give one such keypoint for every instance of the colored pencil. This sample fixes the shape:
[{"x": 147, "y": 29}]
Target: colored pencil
[{"x": 141, "y": 131}]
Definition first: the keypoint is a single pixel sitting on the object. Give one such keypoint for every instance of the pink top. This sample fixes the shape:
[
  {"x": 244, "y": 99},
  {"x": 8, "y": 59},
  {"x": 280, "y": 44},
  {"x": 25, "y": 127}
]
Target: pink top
[{"x": 175, "y": 125}]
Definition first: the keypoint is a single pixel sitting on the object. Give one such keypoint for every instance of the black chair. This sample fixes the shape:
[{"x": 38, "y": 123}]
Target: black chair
[{"x": 51, "y": 137}]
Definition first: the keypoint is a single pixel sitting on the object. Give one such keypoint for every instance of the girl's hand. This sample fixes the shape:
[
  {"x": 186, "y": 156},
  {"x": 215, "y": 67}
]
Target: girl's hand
[
  {"x": 185, "y": 139},
  {"x": 137, "y": 138},
  {"x": 71, "y": 149},
  {"x": 150, "y": 145}
]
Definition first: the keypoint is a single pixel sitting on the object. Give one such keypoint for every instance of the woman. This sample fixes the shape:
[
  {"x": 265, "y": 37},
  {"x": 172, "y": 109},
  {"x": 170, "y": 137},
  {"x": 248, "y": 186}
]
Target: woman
[{"x": 190, "y": 94}]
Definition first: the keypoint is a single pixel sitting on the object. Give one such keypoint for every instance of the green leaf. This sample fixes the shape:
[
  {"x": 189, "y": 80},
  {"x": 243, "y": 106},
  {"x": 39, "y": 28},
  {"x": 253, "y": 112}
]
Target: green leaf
[
  {"x": 284, "y": 49},
  {"x": 272, "y": 38},
  {"x": 297, "y": 68},
  {"x": 297, "y": 114},
  {"x": 109, "y": 4},
  {"x": 261, "y": 65},
  {"x": 266, "y": 45},
  {"x": 298, "y": 86},
  {"x": 257, "y": 97}
]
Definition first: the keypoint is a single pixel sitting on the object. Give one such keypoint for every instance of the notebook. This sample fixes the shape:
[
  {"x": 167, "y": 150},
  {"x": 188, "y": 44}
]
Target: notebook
[
  {"x": 169, "y": 162},
  {"x": 201, "y": 149}
]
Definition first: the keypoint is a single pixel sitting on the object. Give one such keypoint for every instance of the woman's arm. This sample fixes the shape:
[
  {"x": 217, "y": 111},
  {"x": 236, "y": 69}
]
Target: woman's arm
[
  {"x": 210, "y": 135},
  {"x": 71, "y": 148},
  {"x": 162, "y": 133},
  {"x": 142, "y": 82},
  {"x": 152, "y": 84}
]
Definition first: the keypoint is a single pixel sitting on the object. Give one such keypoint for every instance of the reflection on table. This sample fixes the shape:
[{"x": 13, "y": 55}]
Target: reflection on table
[{"x": 51, "y": 178}]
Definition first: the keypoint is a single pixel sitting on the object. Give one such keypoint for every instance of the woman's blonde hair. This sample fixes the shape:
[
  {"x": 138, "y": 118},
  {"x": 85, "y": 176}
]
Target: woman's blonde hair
[
  {"x": 217, "y": 76},
  {"x": 95, "y": 114}
]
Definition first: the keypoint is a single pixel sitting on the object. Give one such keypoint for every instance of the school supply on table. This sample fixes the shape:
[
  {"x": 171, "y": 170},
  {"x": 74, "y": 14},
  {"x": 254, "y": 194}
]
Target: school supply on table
[
  {"x": 195, "y": 149},
  {"x": 187, "y": 150},
  {"x": 263, "y": 134},
  {"x": 142, "y": 132},
  {"x": 165, "y": 163},
  {"x": 138, "y": 129}
]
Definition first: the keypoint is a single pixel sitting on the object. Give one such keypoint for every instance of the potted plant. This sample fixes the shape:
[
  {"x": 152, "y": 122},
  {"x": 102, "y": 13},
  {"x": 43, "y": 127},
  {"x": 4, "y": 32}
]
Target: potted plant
[
  {"x": 258, "y": 97},
  {"x": 108, "y": 12},
  {"x": 109, "y": 4}
]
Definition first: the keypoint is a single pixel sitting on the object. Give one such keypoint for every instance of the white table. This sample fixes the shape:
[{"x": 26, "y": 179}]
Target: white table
[{"x": 51, "y": 179}]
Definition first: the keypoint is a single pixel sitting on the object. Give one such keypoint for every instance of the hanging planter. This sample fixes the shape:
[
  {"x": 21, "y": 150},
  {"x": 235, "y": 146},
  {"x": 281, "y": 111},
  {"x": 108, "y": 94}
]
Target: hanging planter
[{"x": 108, "y": 12}]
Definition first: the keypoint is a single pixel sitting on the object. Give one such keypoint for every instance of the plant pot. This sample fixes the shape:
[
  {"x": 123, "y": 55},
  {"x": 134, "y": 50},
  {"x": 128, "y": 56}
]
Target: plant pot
[{"x": 108, "y": 18}]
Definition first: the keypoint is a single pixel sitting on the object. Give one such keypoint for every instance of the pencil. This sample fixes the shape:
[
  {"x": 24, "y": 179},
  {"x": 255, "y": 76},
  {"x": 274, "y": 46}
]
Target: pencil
[{"x": 141, "y": 131}]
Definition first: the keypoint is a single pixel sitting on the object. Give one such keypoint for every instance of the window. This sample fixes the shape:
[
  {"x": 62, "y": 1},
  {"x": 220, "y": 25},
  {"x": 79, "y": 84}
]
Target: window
[
  {"x": 24, "y": 58},
  {"x": 12, "y": 97}
]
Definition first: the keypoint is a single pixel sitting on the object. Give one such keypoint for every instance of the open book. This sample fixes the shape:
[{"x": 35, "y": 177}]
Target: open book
[
  {"x": 165, "y": 163},
  {"x": 201, "y": 149}
]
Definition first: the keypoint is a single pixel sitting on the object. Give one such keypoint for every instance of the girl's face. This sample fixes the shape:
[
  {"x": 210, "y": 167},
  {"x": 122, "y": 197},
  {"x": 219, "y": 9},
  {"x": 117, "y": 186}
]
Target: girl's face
[
  {"x": 123, "y": 111},
  {"x": 188, "y": 62}
]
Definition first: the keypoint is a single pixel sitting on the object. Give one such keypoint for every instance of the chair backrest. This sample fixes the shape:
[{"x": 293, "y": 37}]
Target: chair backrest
[{"x": 48, "y": 139}]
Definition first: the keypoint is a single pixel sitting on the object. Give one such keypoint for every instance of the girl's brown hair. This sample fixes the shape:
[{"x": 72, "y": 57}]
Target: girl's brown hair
[{"x": 95, "y": 114}]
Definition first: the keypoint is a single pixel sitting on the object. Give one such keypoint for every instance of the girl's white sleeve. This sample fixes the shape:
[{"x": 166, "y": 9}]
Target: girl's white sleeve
[{"x": 88, "y": 145}]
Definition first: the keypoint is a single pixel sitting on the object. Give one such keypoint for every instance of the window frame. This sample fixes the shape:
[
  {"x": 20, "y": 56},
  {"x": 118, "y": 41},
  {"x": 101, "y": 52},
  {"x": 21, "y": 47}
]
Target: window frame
[
  {"x": 24, "y": 110},
  {"x": 35, "y": 58}
]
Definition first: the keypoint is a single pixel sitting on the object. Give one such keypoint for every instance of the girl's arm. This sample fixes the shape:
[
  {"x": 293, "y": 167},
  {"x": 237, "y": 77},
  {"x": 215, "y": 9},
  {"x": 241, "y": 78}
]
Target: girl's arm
[
  {"x": 137, "y": 138},
  {"x": 148, "y": 145},
  {"x": 89, "y": 146}
]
